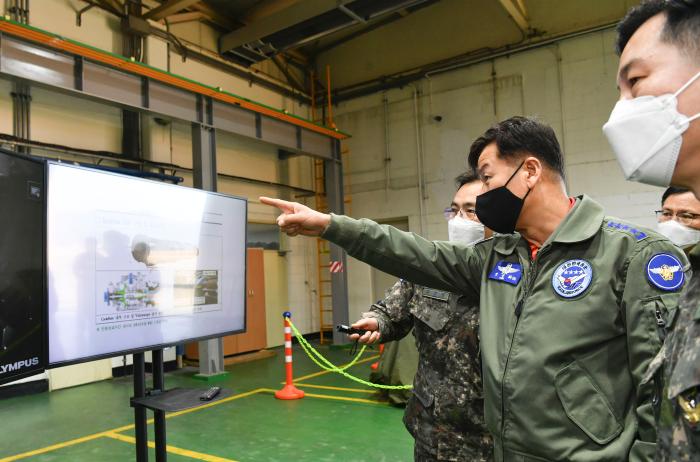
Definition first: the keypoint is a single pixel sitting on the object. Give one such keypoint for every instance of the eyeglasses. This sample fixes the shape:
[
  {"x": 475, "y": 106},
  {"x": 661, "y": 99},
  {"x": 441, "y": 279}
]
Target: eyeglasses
[
  {"x": 469, "y": 213},
  {"x": 684, "y": 218}
]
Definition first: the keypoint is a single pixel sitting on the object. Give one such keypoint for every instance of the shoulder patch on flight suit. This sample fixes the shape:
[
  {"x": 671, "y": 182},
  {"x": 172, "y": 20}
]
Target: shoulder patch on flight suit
[
  {"x": 436, "y": 294},
  {"x": 572, "y": 278},
  {"x": 507, "y": 272},
  {"x": 638, "y": 235},
  {"x": 665, "y": 272}
]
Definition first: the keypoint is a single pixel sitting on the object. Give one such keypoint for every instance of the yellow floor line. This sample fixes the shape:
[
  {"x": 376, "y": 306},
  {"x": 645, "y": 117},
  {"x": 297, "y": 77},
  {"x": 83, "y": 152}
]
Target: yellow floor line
[
  {"x": 344, "y": 398},
  {"x": 83, "y": 439},
  {"x": 53, "y": 447},
  {"x": 326, "y": 387},
  {"x": 316, "y": 374},
  {"x": 340, "y": 398},
  {"x": 172, "y": 449}
]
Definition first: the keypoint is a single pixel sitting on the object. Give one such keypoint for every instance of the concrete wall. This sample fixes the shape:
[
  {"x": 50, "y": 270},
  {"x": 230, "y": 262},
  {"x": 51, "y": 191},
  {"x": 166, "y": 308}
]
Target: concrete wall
[{"x": 570, "y": 86}]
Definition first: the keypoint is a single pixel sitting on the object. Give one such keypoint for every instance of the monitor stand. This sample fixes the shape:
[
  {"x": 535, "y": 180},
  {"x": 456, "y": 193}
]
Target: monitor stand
[{"x": 160, "y": 401}]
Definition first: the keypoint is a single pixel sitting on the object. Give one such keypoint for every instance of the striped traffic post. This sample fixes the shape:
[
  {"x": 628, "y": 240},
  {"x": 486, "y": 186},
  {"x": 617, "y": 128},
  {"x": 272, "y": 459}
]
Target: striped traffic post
[
  {"x": 375, "y": 365},
  {"x": 289, "y": 391}
]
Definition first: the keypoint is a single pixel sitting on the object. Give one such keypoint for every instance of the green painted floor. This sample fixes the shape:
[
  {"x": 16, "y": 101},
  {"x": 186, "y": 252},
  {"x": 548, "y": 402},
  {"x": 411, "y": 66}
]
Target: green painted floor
[{"x": 335, "y": 422}]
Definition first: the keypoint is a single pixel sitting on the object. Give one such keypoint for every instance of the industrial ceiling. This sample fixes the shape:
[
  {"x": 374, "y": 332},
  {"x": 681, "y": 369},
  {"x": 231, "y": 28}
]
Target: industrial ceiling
[{"x": 369, "y": 43}]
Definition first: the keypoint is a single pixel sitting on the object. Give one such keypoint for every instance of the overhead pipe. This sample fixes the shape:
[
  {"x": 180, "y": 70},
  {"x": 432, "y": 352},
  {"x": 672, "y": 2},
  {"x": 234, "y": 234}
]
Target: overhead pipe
[
  {"x": 562, "y": 108},
  {"x": 494, "y": 90},
  {"x": 419, "y": 159},
  {"x": 387, "y": 151},
  {"x": 27, "y": 111}
]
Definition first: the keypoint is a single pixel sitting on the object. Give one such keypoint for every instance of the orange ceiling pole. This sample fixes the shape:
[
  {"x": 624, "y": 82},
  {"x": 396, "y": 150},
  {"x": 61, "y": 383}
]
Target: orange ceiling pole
[{"x": 330, "y": 103}]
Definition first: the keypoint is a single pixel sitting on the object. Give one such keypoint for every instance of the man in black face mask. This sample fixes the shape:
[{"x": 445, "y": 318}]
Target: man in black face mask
[{"x": 569, "y": 305}]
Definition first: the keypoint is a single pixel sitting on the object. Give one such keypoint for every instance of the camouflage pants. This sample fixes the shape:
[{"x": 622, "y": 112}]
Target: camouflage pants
[
  {"x": 422, "y": 453},
  {"x": 465, "y": 445}
]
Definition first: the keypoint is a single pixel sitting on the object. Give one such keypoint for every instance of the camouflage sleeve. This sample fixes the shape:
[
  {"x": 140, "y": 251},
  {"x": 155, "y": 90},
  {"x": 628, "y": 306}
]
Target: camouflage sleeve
[
  {"x": 393, "y": 312},
  {"x": 646, "y": 300}
]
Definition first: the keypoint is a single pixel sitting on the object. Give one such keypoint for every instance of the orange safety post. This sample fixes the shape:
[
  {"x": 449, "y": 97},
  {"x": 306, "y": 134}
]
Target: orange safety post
[
  {"x": 374, "y": 366},
  {"x": 289, "y": 391}
]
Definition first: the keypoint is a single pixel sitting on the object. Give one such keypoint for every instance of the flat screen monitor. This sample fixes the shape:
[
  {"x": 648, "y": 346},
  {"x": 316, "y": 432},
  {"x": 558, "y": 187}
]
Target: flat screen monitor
[
  {"x": 22, "y": 316},
  {"x": 134, "y": 264}
]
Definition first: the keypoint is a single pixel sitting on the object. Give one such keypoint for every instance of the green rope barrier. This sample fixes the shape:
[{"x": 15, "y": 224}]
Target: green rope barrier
[
  {"x": 326, "y": 365},
  {"x": 313, "y": 354}
]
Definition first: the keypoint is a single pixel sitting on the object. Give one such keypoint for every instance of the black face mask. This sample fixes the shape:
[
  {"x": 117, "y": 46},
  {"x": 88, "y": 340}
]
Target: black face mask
[{"x": 499, "y": 208}]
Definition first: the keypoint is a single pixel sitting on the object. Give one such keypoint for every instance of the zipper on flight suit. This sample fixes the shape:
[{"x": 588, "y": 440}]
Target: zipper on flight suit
[
  {"x": 660, "y": 324},
  {"x": 657, "y": 378},
  {"x": 531, "y": 276}
]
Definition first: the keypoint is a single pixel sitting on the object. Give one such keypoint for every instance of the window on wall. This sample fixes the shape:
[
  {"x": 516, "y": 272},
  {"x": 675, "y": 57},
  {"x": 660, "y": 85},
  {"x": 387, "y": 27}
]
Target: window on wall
[{"x": 263, "y": 236}]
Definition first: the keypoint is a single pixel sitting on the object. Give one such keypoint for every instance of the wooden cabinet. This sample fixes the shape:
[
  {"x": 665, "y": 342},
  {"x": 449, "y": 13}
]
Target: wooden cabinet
[{"x": 255, "y": 336}]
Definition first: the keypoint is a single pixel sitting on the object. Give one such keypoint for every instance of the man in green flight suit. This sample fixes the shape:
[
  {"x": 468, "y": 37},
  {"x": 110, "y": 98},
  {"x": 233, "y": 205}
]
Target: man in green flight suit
[
  {"x": 568, "y": 304},
  {"x": 655, "y": 133}
]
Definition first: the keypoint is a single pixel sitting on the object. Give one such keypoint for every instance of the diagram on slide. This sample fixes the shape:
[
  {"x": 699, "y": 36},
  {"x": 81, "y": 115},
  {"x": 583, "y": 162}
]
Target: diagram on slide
[
  {"x": 132, "y": 291},
  {"x": 146, "y": 268}
]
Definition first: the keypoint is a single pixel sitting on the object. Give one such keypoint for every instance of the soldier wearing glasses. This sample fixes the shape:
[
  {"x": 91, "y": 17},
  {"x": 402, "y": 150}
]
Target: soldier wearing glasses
[{"x": 679, "y": 217}]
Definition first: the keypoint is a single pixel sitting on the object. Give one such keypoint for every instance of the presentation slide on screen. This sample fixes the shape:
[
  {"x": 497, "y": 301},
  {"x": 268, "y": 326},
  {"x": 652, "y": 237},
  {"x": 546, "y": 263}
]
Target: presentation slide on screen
[{"x": 135, "y": 263}]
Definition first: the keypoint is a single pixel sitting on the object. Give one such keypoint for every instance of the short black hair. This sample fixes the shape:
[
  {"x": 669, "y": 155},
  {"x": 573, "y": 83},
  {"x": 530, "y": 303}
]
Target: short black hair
[
  {"x": 672, "y": 191},
  {"x": 518, "y": 137},
  {"x": 682, "y": 26},
  {"x": 467, "y": 177}
]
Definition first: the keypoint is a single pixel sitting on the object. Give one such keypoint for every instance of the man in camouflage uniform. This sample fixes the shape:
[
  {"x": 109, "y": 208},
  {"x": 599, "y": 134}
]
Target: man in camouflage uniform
[
  {"x": 659, "y": 47},
  {"x": 445, "y": 414}
]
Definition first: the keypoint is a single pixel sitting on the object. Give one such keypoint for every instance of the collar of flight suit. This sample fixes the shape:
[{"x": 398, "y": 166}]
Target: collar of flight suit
[{"x": 581, "y": 223}]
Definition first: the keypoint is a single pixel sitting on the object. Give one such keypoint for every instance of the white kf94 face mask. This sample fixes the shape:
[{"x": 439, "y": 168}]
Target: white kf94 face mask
[
  {"x": 464, "y": 231},
  {"x": 646, "y": 135},
  {"x": 681, "y": 235}
]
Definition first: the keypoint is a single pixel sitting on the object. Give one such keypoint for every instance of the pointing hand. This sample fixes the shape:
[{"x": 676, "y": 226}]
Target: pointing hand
[{"x": 298, "y": 219}]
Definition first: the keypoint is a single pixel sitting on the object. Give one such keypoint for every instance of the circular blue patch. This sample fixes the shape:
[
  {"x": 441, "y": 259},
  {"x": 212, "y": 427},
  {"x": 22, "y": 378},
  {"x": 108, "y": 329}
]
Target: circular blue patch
[
  {"x": 665, "y": 271},
  {"x": 572, "y": 278}
]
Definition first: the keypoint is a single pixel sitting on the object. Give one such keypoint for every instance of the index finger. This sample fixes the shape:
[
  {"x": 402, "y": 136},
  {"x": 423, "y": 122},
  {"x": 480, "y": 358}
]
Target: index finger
[{"x": 284, "y": 206}]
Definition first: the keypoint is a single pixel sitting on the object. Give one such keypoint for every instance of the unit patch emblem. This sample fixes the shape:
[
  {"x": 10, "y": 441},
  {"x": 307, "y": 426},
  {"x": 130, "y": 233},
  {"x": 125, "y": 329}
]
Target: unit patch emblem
[{"x": 572, "y": 278}]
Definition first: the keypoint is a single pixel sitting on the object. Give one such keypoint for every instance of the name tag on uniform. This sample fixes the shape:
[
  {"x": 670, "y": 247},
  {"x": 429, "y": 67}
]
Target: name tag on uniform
[
  {"x": 436, "y": 294},
  {"x": 507, "y": 272}
]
